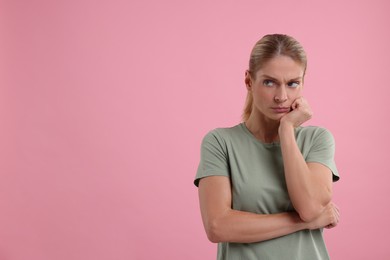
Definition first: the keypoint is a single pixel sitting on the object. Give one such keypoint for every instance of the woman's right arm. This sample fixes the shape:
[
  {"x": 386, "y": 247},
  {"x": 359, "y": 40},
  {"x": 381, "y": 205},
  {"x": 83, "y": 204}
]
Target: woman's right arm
[{"x": 224, "y": 224}]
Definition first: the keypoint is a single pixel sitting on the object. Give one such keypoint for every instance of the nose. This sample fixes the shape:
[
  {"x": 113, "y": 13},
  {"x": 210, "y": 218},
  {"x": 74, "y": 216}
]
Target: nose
[{"x": 281, "y": 95}]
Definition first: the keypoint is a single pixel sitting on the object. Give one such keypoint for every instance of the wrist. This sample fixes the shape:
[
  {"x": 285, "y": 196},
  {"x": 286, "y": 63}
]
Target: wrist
[{"x": 285, "y": 126}]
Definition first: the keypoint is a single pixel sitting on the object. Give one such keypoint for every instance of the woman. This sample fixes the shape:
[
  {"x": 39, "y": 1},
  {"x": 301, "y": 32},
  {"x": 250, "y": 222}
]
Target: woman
[{"x": 265, "y": 185}]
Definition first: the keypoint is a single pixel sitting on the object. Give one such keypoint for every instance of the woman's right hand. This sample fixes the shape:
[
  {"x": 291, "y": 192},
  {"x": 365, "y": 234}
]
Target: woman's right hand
[{"x": 329, "y": 218}]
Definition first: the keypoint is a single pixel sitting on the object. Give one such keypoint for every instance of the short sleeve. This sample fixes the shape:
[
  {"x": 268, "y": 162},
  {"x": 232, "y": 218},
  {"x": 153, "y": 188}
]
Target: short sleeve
[
  {"x": 323, "y": 150},
  {"x": 213, "y": 157}
]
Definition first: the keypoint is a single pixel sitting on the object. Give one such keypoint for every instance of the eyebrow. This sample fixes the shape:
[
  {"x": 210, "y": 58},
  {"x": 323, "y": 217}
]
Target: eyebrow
[{"x": 275, "y": 79}]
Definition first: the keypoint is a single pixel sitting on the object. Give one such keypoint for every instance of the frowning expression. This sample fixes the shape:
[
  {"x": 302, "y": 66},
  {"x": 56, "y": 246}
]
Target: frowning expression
[{"x": 276, "y": 85}]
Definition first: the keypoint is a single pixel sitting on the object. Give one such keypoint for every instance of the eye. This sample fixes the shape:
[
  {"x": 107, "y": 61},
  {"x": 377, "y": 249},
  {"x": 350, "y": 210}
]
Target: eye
[
  {"x": 268, "y": 83},
  {"x": 294, "y": 84}
]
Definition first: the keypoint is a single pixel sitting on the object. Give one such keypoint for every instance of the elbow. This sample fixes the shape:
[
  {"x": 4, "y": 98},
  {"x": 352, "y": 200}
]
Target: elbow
[
  {"x": 308, "y": 215},
  {"x": 311, "y": 212},
  {"x": 214, "y": 231},
  {"x": 213, "y": 238},
  {"x": 313, "y": 209}
]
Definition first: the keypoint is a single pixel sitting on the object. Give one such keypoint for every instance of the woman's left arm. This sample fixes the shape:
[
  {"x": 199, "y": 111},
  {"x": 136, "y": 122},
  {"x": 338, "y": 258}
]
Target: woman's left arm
[{"x": 309, "y": 184}]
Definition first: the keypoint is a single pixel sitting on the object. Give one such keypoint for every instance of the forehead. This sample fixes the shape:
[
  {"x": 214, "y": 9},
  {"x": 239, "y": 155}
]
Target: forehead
[{"x": 282, "y": 68}]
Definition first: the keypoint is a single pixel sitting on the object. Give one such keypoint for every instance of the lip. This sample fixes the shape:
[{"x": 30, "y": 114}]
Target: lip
[{"x": 281, "y": 109}]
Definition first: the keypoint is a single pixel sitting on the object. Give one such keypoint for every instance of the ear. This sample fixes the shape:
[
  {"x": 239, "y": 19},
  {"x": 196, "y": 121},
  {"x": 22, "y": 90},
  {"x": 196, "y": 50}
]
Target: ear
[{"x": 248, "y": 80}]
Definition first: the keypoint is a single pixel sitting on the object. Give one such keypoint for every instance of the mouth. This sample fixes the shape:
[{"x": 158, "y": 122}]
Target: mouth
[{"x": 281, "y": 109}]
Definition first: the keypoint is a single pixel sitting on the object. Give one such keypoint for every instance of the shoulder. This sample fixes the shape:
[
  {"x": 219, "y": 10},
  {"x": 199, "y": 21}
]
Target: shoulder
[
  {"x": 313, "y": 132},
  {"x": 314, "y": 138},
  {"x": 224, "y": 133},
  {"x": 222, "y": 139}
]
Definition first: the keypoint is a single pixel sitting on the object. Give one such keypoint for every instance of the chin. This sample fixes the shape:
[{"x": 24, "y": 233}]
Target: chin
[{"x": 276, "y": 117}]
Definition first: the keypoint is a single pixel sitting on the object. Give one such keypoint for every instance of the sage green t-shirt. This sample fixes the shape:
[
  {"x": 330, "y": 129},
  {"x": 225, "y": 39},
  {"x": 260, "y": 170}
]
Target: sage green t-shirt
[{"x": 258, "y": 183}]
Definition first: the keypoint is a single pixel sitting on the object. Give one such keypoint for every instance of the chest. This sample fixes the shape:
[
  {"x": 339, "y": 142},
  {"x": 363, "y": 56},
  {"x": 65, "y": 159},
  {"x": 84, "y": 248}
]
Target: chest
[{"x": 258, "y": 181}]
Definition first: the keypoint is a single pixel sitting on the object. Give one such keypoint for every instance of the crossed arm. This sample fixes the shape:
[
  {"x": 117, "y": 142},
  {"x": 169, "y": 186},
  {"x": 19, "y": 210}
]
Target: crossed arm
[
  {"x": 224, "y": 224},
  {"x": 309, "y": 186}
]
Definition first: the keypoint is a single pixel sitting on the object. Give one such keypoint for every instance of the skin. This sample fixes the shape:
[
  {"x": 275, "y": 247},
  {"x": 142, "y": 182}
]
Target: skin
[{"x": 278, "y": 108}]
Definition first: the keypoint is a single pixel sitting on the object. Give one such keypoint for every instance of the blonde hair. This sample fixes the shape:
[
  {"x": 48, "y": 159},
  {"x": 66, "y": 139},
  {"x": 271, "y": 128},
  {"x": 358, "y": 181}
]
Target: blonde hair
[{"x": 265, "y": 49}]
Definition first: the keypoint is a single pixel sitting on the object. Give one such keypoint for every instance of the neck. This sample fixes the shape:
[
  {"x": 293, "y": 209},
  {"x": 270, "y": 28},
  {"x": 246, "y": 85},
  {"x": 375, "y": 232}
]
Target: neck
[{"x": 262, "y": 128}]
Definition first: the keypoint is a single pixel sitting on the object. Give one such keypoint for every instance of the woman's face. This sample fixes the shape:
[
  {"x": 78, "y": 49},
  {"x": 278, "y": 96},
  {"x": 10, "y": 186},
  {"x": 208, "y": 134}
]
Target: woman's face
[{"x": 278, "y": 83}]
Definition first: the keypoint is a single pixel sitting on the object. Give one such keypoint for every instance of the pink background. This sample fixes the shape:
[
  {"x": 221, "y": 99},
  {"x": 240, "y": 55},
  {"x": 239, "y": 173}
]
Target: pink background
[{"x": 103, "y": 105}]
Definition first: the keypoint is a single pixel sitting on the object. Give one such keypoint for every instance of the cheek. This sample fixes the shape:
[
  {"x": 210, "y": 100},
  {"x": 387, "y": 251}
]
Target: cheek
[
  {"x": 295, "y": 93},
  {"x": 264, "y": 96}
]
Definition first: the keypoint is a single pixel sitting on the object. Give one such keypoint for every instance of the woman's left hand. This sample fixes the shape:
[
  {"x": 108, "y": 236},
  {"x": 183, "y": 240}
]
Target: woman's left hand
[{"x": 300, "y": 113}]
